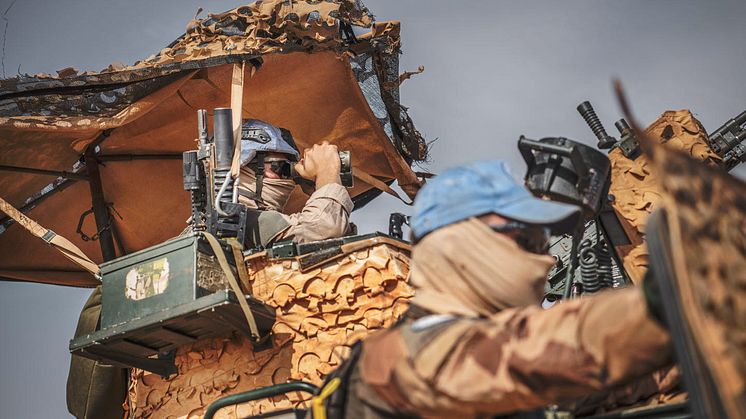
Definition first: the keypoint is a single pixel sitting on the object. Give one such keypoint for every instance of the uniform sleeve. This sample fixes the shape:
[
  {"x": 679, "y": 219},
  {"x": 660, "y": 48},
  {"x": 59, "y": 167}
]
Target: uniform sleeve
[
  {"x": 521, "y": 359},
  {"x": 326, "y": 215}
]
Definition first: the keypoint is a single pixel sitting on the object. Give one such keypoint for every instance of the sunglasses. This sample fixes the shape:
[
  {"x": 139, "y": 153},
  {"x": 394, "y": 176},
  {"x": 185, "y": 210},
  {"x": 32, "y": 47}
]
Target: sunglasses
[
  {"x": 281, "y": 167},
  {"x": 531, "y": 238}
]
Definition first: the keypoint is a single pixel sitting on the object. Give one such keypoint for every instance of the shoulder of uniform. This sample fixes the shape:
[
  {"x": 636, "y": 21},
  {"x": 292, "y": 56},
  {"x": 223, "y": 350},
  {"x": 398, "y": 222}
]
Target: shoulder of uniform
[
  {"x": 419, "y": 333},
  {"x": 266, "y": 224},
  {"x": 430, "y": 321}
]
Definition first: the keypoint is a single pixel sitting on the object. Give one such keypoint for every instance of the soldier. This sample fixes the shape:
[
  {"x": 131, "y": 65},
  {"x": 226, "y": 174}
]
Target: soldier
[
  {"x": 475, "y": 342},
  {"x": 97, "y": 390},
  {"x": 267, "y": 152}
]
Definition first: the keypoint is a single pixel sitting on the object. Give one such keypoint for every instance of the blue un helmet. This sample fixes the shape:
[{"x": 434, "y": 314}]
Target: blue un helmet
[
  {"x": 260, "y": 137},
  {"x": 482, "y": 188}
]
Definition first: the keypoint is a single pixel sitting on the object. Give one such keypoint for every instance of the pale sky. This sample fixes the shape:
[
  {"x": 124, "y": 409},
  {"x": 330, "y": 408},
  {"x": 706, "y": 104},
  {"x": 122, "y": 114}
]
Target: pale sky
[{"x": 493, "y": 70}]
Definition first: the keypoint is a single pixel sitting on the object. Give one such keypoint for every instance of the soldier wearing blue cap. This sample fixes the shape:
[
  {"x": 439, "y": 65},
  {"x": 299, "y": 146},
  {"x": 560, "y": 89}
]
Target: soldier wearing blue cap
[
  {"x": 475, "y": 341},
  {"x": 267, "y": 153}
]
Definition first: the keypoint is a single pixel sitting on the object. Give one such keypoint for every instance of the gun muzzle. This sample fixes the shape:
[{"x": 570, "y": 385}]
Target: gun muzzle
[{"x": 223, "y": 131}]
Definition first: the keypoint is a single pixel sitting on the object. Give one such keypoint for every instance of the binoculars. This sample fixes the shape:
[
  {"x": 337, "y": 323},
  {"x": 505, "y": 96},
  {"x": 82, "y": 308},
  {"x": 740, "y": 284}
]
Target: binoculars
[{"x": 345, "y": 170}]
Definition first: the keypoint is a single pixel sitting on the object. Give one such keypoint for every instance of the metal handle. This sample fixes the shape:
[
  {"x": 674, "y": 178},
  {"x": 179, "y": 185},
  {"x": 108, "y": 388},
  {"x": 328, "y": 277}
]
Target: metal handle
[{"x": 260, "y": 393}]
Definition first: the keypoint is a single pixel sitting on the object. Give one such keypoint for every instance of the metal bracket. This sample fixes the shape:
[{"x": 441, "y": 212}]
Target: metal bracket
[{"x": 97, "y": 234}]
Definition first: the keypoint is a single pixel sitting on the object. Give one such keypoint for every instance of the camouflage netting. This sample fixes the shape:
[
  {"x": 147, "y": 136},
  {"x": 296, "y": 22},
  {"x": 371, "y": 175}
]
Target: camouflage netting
[
  {"x": 636, "y": 189},
  {"x": 305, "y": 71},
  {"x": 706, "y": 216},
  {"x": 319, "y": 314},
  {"x": 266, "y": 27}
]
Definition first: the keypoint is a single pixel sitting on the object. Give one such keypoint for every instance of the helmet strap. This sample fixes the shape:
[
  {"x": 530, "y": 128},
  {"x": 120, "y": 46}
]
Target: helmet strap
[{"x": 257, "y": 166}]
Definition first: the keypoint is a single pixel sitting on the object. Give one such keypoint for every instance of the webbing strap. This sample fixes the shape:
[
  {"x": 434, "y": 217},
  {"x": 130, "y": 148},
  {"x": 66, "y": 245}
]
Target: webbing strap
[
  {"x": 236, "y": 108},
  {"x": 64, "y": 246},
  {"x": 240, "y": 266},
  {"x": 215, "y": 245},
  {"x": 318, "y": 404},
  {"x": 378, "y": 184}
]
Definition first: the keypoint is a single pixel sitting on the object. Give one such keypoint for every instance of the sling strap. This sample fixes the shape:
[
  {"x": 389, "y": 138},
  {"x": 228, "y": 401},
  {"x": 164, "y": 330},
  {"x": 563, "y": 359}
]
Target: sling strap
[
  {"x": 220, "y": 255},
  {"x": 63, "y": 245},
  {"x": 378, "y": 184},
  {"x": 243, "y": 273},
  {"x": 236, "y": 110}
]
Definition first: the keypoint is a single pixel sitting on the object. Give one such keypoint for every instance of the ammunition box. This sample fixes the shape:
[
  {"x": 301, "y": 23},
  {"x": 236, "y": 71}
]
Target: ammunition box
[
  {"x": 157, "y": 279},
  {"x": 161, "y": 298}
]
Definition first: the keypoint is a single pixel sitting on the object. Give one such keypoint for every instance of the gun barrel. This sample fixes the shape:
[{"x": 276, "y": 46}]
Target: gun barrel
[
  {"x": 223, "y": 131},
  {"x": 741, "y": 119}
]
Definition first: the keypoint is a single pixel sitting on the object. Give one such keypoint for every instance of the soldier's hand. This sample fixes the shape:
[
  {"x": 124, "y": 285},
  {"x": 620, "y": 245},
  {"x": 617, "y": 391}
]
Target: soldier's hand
[{"x": 320, "y": 164}]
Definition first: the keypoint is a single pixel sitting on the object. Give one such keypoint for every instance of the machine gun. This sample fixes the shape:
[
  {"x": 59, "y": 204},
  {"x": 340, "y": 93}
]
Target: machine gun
[
  {"x": 216, "y": 208},
  {"x": 568, "y": 171},
  {"x": 214, "y": 194},
  {"x": 728, "y": 141}
]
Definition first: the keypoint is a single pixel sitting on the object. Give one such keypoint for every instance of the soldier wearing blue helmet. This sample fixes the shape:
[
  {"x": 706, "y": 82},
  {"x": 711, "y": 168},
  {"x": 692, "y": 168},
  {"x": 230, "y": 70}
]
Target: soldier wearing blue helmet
[
  {"x": 267, "y": 154},
  {"x": 475, "y": 341}
]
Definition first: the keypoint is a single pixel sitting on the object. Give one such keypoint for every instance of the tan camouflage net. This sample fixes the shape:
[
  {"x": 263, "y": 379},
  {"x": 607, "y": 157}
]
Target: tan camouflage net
[
  {"x": 264, "y": 27},
  {"x": 149, "y": 108},
  {"x": 636, "y": 190},
  {"x": 705, "y": 214},
  {"x": 319, "y": 314}
]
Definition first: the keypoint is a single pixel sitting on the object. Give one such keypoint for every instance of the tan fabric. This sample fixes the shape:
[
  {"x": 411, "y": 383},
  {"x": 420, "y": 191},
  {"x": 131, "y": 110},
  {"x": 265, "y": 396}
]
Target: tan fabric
[
  {"x": 272, "y": 26},
  {"x": 518, "y": 359},
  {"x": 275, "y": 192},
  {"x": 635, "y": 187},
  {"x": 64, "y": 246},
  {"x": 291, "y": 88},
  {"x": 325, "y": 215},
  {"x": 467, "y": 269},
  {"x": 706, "y": 216}
]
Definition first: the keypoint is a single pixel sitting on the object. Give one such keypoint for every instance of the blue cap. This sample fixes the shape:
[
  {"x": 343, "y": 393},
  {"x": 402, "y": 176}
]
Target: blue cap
[{"x": 482, "y": 188}]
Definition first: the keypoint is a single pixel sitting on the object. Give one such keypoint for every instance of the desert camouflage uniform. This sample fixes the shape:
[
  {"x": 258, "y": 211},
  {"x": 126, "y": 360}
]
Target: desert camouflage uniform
[
  {"x": 325, "y": 215},
  {"x": 519, "y": 359}
]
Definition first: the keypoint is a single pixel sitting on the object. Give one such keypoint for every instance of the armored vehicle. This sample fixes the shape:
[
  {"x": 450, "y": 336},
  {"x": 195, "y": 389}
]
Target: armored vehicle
[{"x": 209, "y": 321}]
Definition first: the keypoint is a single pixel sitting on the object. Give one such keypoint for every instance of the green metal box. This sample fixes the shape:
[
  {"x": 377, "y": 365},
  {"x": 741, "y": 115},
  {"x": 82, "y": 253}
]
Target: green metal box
[
  {"x": 150, "y": 281},
  {"x": 161, "y": 298}
]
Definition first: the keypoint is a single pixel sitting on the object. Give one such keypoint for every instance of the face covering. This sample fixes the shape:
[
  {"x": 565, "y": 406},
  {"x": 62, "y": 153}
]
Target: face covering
[
  {"x": 468, "y": 269},
  {"x": 275, "y": 192}
]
